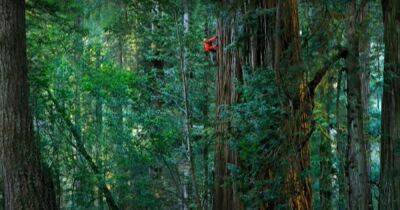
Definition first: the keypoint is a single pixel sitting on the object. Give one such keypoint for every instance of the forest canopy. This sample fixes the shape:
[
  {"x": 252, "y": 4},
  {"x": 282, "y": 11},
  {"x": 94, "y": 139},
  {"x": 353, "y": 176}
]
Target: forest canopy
[{"x": 199, "y": 104}]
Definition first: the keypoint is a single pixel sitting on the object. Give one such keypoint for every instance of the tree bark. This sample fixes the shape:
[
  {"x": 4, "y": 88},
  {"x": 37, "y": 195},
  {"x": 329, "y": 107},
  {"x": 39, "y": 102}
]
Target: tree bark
[
  {"x": 273, "y": 43},
  {"x": 357, "y": 160},
  {"x": 298, "y": 103},
  {"x": 25, "y": 183},
  {"x": 229, "y": 70},
  {"x": 389, "y": 197}
]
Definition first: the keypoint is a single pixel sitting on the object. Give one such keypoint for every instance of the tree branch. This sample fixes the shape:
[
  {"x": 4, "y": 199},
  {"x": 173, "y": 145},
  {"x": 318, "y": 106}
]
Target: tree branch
[
  {"x": 81, "y": 149},
  {"x": 312, "y": 85}
]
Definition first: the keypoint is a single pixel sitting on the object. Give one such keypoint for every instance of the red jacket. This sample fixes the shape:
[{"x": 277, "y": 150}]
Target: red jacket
[{"x": 208, "y": 44}]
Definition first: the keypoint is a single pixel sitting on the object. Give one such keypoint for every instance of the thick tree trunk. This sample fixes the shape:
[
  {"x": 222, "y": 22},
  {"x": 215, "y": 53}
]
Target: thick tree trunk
[
  {"x": 390, "y": 142},
  {"x": 359, "y": 190},
  {"x": 229, "y": 70},
  {"x": 294, "y": 89},
  {"x": 258, "y": 53},
  {"x": 25, "y": 183},
  {"x": 275, "y": 42}
]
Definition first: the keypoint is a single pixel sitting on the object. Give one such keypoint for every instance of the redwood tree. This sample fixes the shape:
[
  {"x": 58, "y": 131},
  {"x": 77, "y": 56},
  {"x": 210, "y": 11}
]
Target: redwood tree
[
  {"x": 229, "y": 70},
  {"x": 389, "y": 197},
  {"x": 357, "y": 156},
  {"x": 274, "y": 43},
  {"x": 25, "y": 183},
  {"x": 298, "y": 103}
]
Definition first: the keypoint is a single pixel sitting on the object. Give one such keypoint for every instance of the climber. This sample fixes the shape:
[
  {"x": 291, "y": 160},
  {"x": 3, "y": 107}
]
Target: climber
[{"x": 209, "y": 44}]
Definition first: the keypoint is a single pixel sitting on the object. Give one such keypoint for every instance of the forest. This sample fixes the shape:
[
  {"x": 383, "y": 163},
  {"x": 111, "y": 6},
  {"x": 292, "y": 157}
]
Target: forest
[{"x": 200, "y": 104}]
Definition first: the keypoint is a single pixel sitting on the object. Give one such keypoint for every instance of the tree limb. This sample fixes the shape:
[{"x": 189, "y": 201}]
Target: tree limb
[
  {"x": 312, "y": 85},
  {"x": 81, "y": 149}
]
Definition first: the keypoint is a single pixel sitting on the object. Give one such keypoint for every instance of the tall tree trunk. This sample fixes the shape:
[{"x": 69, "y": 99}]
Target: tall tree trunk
[
  {"x": 365, "y": 63},
  {"x": 274, "y": 42},
  {"x": 357, "y": 160},
  {"x": 185, "y": 94},
  {"x": 298, "y": 103},
  {"x": 389, "y": 197},
  {"x": 25, "y": 182},
  {"x": 229, "y": 70}
]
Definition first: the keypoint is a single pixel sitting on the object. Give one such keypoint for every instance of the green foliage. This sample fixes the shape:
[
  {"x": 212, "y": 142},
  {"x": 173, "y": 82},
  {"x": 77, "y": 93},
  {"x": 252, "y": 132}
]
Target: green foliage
[{"x": 114, "y": 68}]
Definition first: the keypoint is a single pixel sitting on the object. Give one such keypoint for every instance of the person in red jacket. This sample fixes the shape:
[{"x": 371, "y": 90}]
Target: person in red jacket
[{"x": 210, "y": 45}]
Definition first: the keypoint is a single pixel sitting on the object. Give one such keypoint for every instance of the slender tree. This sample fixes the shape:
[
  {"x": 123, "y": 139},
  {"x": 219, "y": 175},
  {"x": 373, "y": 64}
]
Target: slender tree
[
  {"x": 187, "y": 113},
  {"x": 25, "y": 182}
]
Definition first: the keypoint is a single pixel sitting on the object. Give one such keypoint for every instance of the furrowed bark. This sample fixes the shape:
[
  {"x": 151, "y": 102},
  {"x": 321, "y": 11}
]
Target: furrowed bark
[
  {"x": 274, "y": 43},
  {"x": 26, "y": 185},
  {"x": 229, "y": 70},
  {"x": 357, "y": 159},
  {"x": 389, "y": 197},
  {"x": 298, "y": 105}
]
